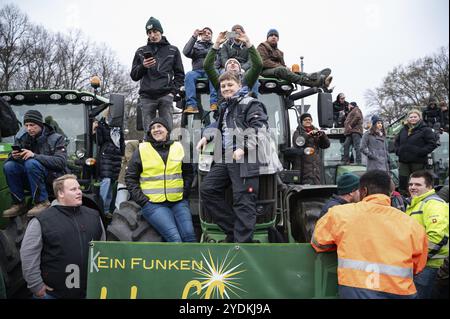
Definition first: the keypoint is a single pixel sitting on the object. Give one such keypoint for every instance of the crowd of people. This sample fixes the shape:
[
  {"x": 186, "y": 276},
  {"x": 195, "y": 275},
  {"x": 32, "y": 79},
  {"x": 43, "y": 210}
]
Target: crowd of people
[{"x": 408, "y": 247}]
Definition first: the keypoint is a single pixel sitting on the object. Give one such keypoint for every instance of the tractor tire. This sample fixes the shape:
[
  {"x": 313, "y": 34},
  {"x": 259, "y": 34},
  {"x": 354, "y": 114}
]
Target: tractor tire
[
  {"x": 128, "y": 224},
  {"x": 10, "y": 265},
  {"x": 305, "y": 217}
]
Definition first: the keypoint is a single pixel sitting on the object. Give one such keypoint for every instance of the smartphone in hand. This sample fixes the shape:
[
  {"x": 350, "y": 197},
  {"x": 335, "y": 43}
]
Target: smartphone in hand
[
  {"x": 16, "y": 148},
  {"x": 148, "y": 55}
]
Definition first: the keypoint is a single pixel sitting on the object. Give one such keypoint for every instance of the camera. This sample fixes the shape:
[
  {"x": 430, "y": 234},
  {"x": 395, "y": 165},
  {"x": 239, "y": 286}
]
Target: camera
[{"x": 231, "y": 35}]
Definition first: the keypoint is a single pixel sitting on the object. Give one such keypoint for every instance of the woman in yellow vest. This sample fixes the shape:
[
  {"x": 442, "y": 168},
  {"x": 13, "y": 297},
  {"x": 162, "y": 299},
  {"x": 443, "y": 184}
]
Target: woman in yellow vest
[{"x": 159, "y": 181}]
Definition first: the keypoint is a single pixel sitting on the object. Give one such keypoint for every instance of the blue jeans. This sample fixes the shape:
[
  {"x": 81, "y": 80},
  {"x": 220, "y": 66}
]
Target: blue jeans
[
  {"x": 29, "y": 174},
  {"x": 424, "y": 282},
  {"x": 172, "y": 220},
  {"x": 106, "y": 193},
  {"x": 189, "y": 86}
]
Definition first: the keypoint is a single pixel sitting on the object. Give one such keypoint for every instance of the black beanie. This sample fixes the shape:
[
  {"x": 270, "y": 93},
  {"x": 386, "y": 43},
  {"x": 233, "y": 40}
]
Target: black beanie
[
  {"x": 33, "y": 116},
  {"x": 153, "y": 23},
  {"x": 305, "y": 115},
  {"x": 347, "y": 183},
  {"x": 161, "y": 121}
]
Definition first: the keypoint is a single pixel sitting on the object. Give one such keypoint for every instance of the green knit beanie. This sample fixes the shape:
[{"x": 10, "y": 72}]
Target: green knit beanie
[{"x": 153, "y": 23}]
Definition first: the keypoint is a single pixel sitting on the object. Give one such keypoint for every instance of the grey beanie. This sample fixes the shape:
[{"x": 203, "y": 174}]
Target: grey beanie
[{"x": 33, "y": 116}]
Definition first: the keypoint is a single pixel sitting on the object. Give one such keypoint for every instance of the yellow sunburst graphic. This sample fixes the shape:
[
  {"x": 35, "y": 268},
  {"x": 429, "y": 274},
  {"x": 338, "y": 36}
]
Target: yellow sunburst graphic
[{"x": 218, "y": 279}]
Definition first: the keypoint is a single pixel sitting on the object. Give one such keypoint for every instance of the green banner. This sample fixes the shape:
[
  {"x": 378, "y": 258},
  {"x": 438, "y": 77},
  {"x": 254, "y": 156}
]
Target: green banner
[{"x": 209, "y": 271}]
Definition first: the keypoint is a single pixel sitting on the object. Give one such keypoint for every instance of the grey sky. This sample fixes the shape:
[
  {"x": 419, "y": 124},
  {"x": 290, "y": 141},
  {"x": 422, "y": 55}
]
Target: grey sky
[{"x": 360, "y": 40}]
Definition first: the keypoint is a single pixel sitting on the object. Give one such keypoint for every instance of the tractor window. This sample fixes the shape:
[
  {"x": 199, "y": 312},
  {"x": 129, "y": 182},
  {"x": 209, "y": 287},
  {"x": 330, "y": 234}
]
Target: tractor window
[
  {"x": 275, "y": 111},
  {"x": 68, "y": 119},
  {"x": 332, "y": 158}
]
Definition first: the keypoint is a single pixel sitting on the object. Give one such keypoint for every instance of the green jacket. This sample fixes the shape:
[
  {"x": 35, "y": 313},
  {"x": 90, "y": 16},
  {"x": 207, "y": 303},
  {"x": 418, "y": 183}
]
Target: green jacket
[
  {"x": 250, "y": 76},
  {"x": 432, "y": 213}
]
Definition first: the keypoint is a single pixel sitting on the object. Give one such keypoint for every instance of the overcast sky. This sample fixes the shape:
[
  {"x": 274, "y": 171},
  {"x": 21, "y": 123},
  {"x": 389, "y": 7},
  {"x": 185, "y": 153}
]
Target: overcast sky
[{"x": 360, "y": 40}]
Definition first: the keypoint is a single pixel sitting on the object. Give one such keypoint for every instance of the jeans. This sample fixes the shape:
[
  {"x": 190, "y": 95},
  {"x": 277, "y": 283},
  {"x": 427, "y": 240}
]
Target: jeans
[
  {"x": 189, "y": 86},
  {"x": 164, "y": 106},
  {"x": 424, "y": 282},
  {"x": 173, "y": 221},
  {"x": 106, "y": 193},
  {"x": 29, "y": 174},
  {"x": 353, "y": 139}
]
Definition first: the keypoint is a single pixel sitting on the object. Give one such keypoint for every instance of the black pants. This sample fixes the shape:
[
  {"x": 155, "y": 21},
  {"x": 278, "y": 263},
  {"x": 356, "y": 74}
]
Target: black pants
[{"x": 238, "y": 222}]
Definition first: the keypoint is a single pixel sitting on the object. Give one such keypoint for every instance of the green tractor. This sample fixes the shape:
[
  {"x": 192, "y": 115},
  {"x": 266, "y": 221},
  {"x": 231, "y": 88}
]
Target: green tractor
[{"x": 71, "y": 113}]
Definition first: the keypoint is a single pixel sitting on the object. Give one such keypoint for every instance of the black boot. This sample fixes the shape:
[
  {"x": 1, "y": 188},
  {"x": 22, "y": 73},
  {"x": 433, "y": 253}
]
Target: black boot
[{"x": 317, "y": 79}]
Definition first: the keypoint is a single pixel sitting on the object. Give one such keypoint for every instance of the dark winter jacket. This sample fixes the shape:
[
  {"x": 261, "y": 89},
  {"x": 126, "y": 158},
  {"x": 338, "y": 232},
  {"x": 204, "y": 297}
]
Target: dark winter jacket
[
  {"x": 414, "y": 147},
  {"x": 197, "y": 51},
  {"x": 109, "y": 155},
  {"x": 432, "y": 115},
  {"x": 167, "y": 76},
  {"x": 272, "y": 57},
  {"x": 333, "y": 201},
  {"x": 375, "y": 148},
  {"x": 49, "y": 149},
  {"x": 340, "y": 111},
  {"x": 133, "y": 174},
  {"x": 66, "y": 233},
  {"x": 310, "y": 166},
  {"x": 243, "y": 113},
  {"x": 239, "y": 51},
  {"x": 354, "y": 122}
]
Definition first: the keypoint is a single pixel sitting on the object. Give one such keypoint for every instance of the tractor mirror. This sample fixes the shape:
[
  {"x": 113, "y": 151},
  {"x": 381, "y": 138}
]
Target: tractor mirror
[{"x": 117, "y": 109}]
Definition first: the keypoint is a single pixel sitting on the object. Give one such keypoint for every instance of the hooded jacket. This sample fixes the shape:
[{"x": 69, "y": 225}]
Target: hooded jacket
[
  {"x": 373, "y": 238},
  {"x": 49, "y": 149},
  {"x": 197, "y": 51},
  {"x": 167, "y": 76},
  {"x": 413, "y": 146},
  {"x": 133, "y": 173}
]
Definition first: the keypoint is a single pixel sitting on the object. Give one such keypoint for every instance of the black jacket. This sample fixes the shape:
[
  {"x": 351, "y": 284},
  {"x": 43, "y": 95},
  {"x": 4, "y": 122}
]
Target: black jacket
[
  {"x": 167, "y": 76},
  {"x": 66, "y": 233},
  {"x": 310, "y": 166},
  {"x": 414, "y": 147},
  {"x": 432, "y": 115},
  {"x": 197, "y": 51},
  {"x": 134, "y": 170},
  {"x": 244, "y": 113},
  {"x": 49, "y": 149},
  {"x": 109, "y": 155}
]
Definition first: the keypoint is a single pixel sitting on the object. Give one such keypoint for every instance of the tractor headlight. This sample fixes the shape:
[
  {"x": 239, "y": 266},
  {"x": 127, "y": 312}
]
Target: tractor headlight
[{"x": 300, "y": 141}]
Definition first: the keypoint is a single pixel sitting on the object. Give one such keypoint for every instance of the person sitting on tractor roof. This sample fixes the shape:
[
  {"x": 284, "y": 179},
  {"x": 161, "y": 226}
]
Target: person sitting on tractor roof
[
  {"x": 274, "y": 66},
  {"x": 55, "y": 247},
  {"x": 340, "y": 110},
  {"x": 197, "y": 51},
  {"x": 159, "y": 180},
  {"x": 39, "y": 155},
  {"x": 248, "y": 78}
]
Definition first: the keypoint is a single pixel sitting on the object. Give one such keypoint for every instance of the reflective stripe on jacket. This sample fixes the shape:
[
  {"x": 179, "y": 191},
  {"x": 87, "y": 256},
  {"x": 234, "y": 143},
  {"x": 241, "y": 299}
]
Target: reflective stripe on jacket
[
  {"x": 431, "y": 212},
  {"x": 378, "y": 248},
  {"x": 161, "y": 181}
]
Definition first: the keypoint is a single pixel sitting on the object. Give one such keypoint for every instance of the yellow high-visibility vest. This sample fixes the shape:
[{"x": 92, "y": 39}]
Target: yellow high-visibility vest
[{"x": 162, "y": 182}]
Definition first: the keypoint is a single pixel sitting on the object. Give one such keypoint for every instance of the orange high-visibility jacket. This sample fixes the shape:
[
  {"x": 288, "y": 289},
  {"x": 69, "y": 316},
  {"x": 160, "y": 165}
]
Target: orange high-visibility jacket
[{"x": 377, "y": 247}]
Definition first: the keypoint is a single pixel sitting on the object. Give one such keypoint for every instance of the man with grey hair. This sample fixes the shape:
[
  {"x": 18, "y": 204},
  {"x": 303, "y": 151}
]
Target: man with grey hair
[{"x": 56, "y": 244}]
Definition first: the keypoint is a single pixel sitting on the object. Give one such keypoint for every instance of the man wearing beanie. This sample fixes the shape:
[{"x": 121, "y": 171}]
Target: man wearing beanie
[
  {"x": 274, "y": 66},
  {"x": 235, "y": 48},
  {"x": 347, "y": 192},
  {"x": 353, "y": 131},
  {"x": 40, "y": 157},
  {"x": 159, "y": 69},
  {"x": 159, "y": 180},
  {"x": 379, "y": 248}
]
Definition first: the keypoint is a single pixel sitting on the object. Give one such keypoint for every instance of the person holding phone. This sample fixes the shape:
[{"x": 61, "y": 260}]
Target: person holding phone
[
  {"x": 197, "y": 51},
  {"x": 38, "y": 157},
  {"x": 159, "y": 69}
]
